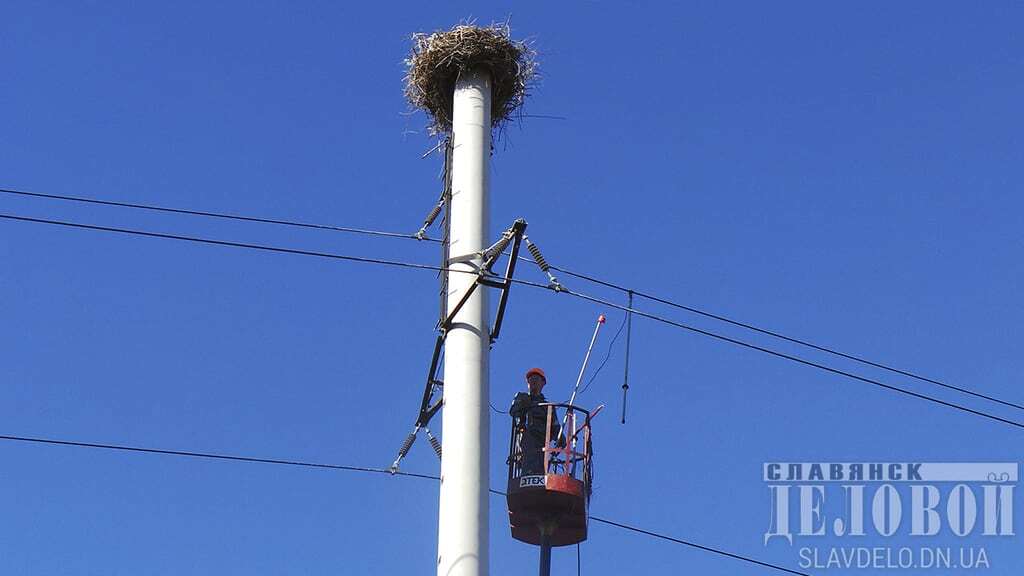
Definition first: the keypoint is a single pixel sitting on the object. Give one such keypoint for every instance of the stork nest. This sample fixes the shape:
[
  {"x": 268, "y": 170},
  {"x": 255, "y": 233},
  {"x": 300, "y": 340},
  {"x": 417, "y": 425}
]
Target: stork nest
[{"x": 439, "y": 58}]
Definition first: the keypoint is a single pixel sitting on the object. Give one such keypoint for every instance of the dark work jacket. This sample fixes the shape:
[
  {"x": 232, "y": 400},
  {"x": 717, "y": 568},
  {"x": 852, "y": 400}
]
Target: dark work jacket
[{"x": 535, "y": 417}]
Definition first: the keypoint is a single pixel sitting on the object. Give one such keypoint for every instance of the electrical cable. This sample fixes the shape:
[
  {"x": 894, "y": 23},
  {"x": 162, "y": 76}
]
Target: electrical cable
[
  {"x": 233, "y": 458},
  {"x": 694, "y": 545},
  {"x": 224, "y": 243},
  {"x": 581, "y": 276},
  {"x": 213, "y": 456},
  {"x": 221, "y": 215},
  {"x": 783, "y": 355},
  {"x": 579, "y": 295},
  {"x": 791, "y": 339},
  {"x": 437, "y": 268}
]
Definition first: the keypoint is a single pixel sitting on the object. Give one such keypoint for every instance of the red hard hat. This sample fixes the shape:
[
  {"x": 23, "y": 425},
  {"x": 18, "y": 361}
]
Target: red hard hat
[{"x": 537, "y": 371}]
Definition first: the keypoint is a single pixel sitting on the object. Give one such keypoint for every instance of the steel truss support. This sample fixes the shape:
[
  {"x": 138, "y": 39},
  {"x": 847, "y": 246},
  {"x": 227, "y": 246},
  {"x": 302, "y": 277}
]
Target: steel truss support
[{"x": 486, "y": 277}]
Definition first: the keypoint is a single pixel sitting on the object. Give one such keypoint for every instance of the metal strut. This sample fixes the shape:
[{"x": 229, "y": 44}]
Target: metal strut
[
  {"x": 485, "y": 276},
  {"x": 428, "y": 407}
]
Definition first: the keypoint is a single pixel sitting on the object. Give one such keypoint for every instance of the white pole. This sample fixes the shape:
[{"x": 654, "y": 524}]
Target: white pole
[{"x": 462, "y": 543}]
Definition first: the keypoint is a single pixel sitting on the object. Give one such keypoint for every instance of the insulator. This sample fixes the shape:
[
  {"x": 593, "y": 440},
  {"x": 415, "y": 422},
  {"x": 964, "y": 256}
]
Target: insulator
[
  {"x": 434, "y": 443},
  {"x": 433, "y": 214},
  {"x": 543, "y": 264},
  {"x": 406, "y": 445},
  {"x": 404, "y": 449},
  {"x": 537, "y": 256},
  {"x": 430, "y": 219},
  {"x": 497, "y": 248}
]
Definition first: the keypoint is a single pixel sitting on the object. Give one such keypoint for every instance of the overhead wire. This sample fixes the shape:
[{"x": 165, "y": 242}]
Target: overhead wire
[
  {"x": 628, "y": 309},
  {"x": 785, "y": 356},
  {"x": 232, "y": 244},
  {"x": 694, "y": 545},
  {"x": 212, "y": 456},
  {"x": 560, "y": 289},
  {"x": 220, "y": 215},
  {"x": 791, "y": 339},
  {"x": 321, "y": 465},
  {"x": 581, "y": 276}
]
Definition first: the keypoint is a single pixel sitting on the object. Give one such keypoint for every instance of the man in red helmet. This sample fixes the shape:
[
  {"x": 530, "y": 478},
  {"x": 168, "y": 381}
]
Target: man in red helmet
[{"x": 533, "y": 419}]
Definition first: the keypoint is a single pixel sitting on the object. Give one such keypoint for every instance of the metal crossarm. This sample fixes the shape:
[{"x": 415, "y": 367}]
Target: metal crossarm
[
  {"x": 514, "y": 236},
  {"x": 518, "y": 228}
]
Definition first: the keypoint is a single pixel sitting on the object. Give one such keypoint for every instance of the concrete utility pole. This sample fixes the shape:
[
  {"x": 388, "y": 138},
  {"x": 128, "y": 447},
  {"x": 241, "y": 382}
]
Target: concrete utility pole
[
  {"x": 469, "y": 79},
  {"x": 462, "y": 548}
]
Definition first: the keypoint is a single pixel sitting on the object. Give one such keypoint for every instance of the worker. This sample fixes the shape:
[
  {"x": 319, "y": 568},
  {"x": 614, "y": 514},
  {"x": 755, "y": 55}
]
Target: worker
[{"x": 533, "y": 420}]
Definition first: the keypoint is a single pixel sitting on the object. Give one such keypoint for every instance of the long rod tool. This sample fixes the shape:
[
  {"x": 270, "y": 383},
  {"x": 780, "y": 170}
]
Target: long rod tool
[{"x": 583, "y": 369}]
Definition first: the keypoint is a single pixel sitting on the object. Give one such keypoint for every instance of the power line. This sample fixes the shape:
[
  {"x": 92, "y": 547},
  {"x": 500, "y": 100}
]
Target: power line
[
  {"x": 223, "y": 243},
  {"x": 693, "y": 545},
  {"x": 580, "y": 295},
  {"x": 436, "y": 268},
  {"x": 783, "y": 355},
  {"x": 220, "y": 215},
  {"x": 249, "y": 459},
  {"x": 213, "y": 456},
  {"x": 781, "y": 336},
  {"x": 581, "y": 276}
]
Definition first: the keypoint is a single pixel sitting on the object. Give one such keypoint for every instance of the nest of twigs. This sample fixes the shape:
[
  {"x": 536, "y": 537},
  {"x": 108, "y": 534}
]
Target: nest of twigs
[{"x": 439, "y": 58}]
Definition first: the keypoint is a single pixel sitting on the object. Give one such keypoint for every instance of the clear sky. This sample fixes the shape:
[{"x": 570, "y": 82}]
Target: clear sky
[{"x": 850, "y": 175}]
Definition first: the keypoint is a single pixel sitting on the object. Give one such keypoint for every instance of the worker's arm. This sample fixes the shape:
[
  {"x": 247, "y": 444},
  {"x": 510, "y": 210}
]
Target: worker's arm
[{"x": 519, "y": 404}]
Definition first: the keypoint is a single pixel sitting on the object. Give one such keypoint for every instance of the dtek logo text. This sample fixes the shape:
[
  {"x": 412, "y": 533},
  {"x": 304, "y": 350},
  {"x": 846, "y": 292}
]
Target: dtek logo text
[{"x": 877, "y": 501}]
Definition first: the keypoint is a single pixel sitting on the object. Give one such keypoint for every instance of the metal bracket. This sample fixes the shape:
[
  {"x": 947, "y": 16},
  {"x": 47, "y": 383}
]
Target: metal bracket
[
  {"x": 514, "y": 235},
  {"x": 428, "y": 406},
  {"x": 506, "y": 284},
  {"x": 428, "y": 409}
]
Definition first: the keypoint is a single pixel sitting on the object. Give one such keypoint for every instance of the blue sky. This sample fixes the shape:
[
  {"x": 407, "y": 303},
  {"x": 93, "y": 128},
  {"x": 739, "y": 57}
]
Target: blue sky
[{"x": 850, "y": 175}]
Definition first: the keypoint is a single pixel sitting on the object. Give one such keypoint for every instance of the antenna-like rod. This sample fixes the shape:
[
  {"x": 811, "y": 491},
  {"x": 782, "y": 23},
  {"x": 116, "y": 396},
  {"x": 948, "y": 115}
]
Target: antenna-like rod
[
  {"x": 625, "y": 373},
  {"x": 583, "y": 369}
]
